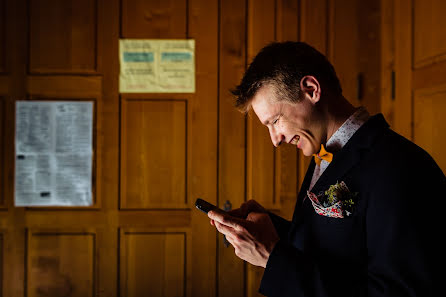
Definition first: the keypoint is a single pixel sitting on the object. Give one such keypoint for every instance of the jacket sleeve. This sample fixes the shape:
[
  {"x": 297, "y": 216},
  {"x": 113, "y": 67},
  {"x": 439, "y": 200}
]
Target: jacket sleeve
[
  {"x": 282, "y": 276},
  {"x": 281, "y": 225},
  {"x": 284, "y": 272}
]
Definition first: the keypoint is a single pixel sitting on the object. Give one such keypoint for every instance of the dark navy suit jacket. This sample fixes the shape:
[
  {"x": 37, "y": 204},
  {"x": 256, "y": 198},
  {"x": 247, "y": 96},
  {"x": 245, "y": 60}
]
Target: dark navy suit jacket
[{"x": 392, "y": 244}]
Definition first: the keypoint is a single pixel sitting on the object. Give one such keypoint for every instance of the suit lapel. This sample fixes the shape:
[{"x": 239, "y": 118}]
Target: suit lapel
[
  {"x": 341, "y": 164},
  {"x": 351, "y": 153},
  {"x": 304, "y": 187},
  {"x": 306, "y": 182}
]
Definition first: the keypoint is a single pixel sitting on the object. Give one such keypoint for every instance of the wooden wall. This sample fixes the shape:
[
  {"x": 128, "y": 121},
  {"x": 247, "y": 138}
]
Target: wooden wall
[
  {"x": 154, "y": 154},
  {"x": 414, "y": 59}
]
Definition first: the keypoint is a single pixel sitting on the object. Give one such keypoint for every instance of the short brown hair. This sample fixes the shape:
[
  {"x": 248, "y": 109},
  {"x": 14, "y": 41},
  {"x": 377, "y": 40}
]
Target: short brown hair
[{"x": 282, "y": 65}]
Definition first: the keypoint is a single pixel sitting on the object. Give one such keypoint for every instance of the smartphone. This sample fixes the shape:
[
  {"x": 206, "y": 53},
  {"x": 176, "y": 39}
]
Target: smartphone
[{"x": 205, "y": 206}]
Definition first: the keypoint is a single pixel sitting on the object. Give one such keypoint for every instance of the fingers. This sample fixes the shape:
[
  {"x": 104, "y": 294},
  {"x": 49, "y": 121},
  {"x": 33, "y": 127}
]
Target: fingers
[
  {"x": 238, "y": 212},
  {"x": 235, "y": 238},
  {"x": 227, "y": 220},
  {"x": 246, "y": 208},
  {"x": 225, "y": 230}
]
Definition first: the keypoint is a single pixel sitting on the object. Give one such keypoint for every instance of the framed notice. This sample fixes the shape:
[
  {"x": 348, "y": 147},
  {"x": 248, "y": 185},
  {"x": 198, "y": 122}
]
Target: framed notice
[
  {"x": 53, "y": 153},
  {"x": 157, "y": 66}
]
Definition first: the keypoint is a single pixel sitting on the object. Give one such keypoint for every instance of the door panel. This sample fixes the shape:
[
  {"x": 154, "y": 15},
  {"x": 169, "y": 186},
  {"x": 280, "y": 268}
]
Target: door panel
[
  {"x": 163, "y": 275},
  {"x": 429, "y": 124},
  {"x": 62, "y": 36},
  {"x": 60, "y": 263},
  {"x": 429, "y": 36},
  {"x": 153, "y": 154},
  {"x": 420, "y": 50}
]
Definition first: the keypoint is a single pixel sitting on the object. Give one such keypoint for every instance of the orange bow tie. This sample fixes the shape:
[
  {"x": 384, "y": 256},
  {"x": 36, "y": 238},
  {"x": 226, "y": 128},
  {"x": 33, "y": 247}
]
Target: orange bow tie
[{"x": 323, "y": 155}]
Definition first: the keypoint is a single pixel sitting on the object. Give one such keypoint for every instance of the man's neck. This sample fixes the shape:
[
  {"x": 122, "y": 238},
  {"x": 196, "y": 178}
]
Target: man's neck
[{"x": 337, "y": 113}]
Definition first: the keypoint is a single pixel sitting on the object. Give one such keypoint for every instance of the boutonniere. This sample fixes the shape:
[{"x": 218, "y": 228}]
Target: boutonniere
[{"x": 336, "y": 202}]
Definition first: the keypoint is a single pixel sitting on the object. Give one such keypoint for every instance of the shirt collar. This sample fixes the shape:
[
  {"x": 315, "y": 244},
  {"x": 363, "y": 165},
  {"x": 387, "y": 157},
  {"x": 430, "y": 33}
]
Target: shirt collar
[{"x": 348, "y": 128}]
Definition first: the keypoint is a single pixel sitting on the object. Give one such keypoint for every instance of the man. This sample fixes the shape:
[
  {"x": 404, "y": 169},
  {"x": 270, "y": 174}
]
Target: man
[{"x": 366, "y": 221}]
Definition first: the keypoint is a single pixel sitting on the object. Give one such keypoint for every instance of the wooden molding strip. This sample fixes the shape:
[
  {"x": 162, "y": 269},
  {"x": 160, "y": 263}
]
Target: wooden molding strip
[{"x": 67, "y": 86}]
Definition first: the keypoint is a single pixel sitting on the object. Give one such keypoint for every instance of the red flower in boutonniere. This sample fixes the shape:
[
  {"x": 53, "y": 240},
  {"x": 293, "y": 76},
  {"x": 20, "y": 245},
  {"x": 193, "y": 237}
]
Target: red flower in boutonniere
[{"x": 336, "y": 202}]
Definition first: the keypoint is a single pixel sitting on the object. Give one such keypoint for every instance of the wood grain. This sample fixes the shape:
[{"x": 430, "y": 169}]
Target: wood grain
[
  {"x": 142, "y": 273},
  {"x": 232, "y": 138},
  {"x": 60, "y": 263},
  {"x": 63, "y": 36},
  {"x": 156, "y": 153},
  {"x": 429, "y": 126},
  {"x": 154, "y": 19},
  {"x": 153, "y": 154},
  {"x": 429, "y": 36},
  {"x": 3, "y": 36}
]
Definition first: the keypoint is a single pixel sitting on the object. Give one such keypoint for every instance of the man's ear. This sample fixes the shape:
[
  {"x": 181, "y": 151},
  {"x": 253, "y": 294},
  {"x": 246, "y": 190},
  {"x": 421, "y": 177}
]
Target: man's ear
[{"x": 311, "y": 88}]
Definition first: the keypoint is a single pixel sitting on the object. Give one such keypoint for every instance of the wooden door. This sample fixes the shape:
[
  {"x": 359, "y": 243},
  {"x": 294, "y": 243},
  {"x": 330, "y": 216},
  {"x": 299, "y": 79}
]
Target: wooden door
[
  {"x": 416, "y": 48},
  {"x": 154, "y": 154}
]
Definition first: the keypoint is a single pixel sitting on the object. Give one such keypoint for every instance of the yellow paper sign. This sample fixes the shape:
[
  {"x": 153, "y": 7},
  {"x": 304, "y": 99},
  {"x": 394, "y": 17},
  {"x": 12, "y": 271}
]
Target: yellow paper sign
[{"x": 157, "y": 66}]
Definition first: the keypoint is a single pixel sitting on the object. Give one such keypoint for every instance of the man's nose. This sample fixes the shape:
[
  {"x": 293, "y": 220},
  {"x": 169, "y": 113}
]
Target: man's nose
[{"x": 276, "y": 138}]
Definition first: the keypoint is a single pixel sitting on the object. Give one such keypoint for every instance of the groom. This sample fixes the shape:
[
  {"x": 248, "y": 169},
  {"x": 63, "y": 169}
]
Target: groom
[{"x": 367, "y": 218}]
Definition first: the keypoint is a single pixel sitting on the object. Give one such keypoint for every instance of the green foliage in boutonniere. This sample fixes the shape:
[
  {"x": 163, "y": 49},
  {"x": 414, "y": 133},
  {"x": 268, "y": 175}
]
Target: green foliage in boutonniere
[{"x": 339, "y": 192}]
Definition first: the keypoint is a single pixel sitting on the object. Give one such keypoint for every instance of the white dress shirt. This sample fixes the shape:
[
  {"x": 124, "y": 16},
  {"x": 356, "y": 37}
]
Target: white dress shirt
[{"x": 340, "y": 138}]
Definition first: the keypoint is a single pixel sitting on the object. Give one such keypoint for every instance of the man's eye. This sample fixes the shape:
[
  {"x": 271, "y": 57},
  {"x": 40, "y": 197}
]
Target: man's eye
[{"x": 276, "y": 120}]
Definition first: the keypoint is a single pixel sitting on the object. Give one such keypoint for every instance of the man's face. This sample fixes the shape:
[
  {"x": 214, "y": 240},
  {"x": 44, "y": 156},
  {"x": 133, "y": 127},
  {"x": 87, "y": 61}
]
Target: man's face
[{"x": 299, "y": 123}]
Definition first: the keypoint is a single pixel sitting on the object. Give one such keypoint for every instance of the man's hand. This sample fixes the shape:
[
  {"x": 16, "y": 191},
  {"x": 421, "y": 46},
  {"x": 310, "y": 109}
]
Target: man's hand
[
  {"x": 253, "y": 238},
  {"x": 246, "y": 208}
]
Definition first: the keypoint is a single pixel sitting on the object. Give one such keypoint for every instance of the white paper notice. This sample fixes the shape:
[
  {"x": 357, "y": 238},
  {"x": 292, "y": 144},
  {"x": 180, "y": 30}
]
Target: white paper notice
[
  {"x": 157, "y": 66},
  {"x": 53, "y": 153}
]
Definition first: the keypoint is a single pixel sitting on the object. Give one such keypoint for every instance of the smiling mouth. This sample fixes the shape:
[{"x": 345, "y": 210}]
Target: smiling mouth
[{"x": 295, "y": 140}]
